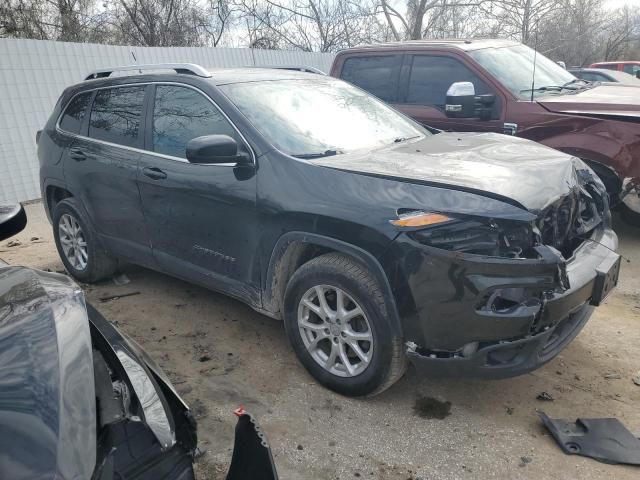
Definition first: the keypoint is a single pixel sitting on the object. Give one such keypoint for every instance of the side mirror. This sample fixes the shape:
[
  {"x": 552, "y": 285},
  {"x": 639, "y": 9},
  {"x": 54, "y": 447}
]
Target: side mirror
[
  {"x": 638, "y": 74},
  {"x": 461, "y": 98},
  {"x": 13, "y": 219},
  {"x": 212, "y": 149},
  {"x": 562, "y": 64}
]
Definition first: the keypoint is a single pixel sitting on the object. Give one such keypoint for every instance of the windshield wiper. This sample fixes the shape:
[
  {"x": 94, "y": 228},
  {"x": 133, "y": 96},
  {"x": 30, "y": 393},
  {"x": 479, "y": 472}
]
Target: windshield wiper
[
  {"x": 547, "y": 88},
  {"x": 576, "y": 80},
  {"x": 326, "y": 153},
  {"x": 404, "y": 139},
  {"x": 570, "y": 85}
]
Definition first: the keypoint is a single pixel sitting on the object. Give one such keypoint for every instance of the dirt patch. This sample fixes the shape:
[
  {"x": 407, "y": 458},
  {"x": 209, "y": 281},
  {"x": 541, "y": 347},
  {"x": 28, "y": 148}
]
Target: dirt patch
[
  {"x": 493, "y": 426},
  {"x": 427, "y": 407}
]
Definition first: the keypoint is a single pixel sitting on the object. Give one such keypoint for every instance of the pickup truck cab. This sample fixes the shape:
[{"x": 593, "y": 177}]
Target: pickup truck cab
[
  {"x": 489, "y": 86},
  {"x": 629, "y": 66}
]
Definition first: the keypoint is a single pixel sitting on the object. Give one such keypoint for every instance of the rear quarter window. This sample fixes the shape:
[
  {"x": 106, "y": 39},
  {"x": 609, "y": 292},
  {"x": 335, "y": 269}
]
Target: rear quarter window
[
  {"x": 116, "y": 115},
  {"x": 376, "y": 74},
  {"x": 75, "y": 112}
]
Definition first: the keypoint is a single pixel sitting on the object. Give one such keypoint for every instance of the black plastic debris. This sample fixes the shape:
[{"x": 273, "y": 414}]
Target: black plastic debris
[
  {"x": 252, "y": 459},
  {"x": 603, "y": 439}
]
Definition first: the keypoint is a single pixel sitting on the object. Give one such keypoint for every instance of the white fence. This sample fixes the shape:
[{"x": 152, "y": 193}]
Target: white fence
[{"x": 33, "y": 74}]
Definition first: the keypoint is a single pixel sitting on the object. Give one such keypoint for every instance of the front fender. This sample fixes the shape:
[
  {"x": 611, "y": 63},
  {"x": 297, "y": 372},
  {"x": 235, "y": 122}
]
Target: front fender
[{"x": 280, "y": 269}]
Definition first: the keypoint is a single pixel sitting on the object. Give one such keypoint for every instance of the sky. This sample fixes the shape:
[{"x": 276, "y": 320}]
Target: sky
[{"x": 622, "y": 3}]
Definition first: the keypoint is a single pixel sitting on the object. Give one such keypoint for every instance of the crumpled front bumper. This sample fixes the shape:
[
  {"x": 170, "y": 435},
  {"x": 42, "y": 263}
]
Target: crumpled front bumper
[{"x": 456, "y": 338}]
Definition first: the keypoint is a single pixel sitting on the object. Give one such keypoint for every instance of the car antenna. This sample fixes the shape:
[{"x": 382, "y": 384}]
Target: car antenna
[
  {"x": 135, "y": 61},
  {"x": 535, "y": 57}
]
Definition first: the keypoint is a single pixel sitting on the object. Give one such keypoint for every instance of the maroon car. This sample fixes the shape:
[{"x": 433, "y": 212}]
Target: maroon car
[{"x": 489, "y": 86}]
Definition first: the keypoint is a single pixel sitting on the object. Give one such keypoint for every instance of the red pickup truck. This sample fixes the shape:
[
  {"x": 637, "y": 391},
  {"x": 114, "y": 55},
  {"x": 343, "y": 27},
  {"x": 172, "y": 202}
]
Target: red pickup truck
[
  {"x": 489, "y": 86},
  {"x": 628, "y": 66}
]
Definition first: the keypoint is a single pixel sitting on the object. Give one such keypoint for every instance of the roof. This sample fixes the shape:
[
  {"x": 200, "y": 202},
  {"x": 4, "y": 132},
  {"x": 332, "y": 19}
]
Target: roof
[
  {"x": 218, "y": 76},
  {"x": 222, "y": 76},
  {"x": 623, "y": 62},
  {"x": 465, "y": 44}
]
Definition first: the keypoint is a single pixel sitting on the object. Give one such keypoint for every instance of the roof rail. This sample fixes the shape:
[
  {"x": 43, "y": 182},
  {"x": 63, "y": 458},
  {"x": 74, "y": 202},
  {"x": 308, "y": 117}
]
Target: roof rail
[
  {"x": 187, "y": 68},
  {"x": 297, "y": 68}
]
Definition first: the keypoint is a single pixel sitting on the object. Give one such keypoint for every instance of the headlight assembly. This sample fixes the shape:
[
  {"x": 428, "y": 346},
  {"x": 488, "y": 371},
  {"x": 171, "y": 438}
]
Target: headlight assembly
[{"x": 487, "y": 237}]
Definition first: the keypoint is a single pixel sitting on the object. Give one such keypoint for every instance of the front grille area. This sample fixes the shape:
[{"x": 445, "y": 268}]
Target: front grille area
[{"x": 566, "y": 223}]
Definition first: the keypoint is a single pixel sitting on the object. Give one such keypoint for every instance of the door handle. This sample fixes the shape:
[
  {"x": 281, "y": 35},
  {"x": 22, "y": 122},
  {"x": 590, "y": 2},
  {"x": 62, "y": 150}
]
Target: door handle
[
  {"x": 77, "y": 154},
  {"x": 154, "y": 173}
]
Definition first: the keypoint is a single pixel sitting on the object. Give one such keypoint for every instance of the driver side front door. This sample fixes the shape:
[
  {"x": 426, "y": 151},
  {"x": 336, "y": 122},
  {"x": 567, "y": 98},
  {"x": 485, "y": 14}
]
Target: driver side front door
[
  {"x": 201, "y": 218},
  {"x": 424, "y": 91}
]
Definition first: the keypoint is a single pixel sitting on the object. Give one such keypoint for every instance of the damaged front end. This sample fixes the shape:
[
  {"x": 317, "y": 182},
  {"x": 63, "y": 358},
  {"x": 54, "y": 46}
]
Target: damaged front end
[
  {"x": 144, "y": 429},
  {"x": 516, "y": 291}
]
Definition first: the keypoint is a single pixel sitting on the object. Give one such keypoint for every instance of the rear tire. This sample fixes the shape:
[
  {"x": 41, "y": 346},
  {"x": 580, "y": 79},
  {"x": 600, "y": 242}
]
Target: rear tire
[
  {"x": 354, "y": 325},
  {"x": 78, "y": 246}
]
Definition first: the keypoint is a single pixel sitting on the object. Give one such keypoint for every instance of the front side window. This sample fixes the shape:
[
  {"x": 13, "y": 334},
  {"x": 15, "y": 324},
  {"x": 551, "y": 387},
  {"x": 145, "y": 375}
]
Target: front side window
[
  {"x": 71, "y": 120},
  {"x": 181, "y": 114},
  {"x": 514, "y": 67},
  {"x": 431, "y": 76},
  {"x": 116, "y": 115},
  {"x": 375, "y": 74},
  {"x": 631, "y": 69},
  {"x": 309, "y": 118}
]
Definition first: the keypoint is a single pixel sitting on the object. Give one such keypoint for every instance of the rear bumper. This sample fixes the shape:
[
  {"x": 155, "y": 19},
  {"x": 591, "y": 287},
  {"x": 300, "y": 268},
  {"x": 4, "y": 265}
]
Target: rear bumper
[{"x": 456, "y": 332}]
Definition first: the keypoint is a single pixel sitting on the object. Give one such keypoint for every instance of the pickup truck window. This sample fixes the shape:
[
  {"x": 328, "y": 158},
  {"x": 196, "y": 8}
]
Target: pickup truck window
[
  {"x": 375, "y": 74},
  {"x": 513, "y": 67},
  {"x": 431, "y": 76}
]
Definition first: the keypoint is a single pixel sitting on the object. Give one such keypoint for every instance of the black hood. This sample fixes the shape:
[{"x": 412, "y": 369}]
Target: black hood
[{"x": 496, "y": 165}]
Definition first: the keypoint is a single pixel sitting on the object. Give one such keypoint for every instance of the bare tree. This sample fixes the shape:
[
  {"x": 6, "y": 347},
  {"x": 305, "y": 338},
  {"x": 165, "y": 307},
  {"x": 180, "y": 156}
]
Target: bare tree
[
  {"x": 434, "y": 18},
  {"x": 310, "y": 25}
]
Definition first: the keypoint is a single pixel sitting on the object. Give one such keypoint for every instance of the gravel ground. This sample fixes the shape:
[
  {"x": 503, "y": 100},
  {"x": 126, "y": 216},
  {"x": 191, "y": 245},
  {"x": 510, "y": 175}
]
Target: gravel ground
[{"x": 221, "y": 353}]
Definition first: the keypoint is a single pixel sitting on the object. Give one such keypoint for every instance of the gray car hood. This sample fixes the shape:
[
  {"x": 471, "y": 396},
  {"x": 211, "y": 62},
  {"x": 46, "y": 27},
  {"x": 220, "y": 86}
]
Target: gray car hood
[{"x": 510, "y": 168}]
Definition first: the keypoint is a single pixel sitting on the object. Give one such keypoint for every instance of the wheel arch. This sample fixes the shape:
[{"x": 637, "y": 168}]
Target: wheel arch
[
  {"x": 293, "y": 249},
  {"x": 54, "y": 192}
]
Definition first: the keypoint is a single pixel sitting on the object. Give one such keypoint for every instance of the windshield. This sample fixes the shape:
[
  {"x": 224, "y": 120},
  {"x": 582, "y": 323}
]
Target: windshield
[
  {"x": 513, "y": 66},
  {"x": 314, "y": 117}
]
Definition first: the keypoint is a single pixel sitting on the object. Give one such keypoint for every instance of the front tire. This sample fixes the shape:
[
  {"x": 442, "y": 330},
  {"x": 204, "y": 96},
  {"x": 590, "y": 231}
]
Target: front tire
[
  {"x": 80, "y": 251},
  {"x": 338, "y": 325}
]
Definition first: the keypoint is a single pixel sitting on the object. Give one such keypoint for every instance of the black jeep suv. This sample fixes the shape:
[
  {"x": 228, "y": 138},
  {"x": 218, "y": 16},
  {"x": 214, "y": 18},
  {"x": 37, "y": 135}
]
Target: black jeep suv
[{"x": 373, "y": 238}]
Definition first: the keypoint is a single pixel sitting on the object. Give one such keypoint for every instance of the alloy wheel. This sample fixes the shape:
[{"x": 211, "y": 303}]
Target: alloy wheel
[
  {"x": 73, "y": 242},
  {"x": 335, "y": 330}
]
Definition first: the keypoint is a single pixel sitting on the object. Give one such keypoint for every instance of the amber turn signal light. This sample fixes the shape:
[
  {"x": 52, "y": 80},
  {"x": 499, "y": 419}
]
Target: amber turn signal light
[{"x": 420, "y": 219}]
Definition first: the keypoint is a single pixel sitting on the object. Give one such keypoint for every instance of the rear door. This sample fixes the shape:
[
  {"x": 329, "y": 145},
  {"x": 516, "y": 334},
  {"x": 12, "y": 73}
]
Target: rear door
[
  {"x": 378, "y": 74},
  {"x": 201, "y": 218},
  {"x": 423, "y": 93},
  {"x": 101, "y": 165}
]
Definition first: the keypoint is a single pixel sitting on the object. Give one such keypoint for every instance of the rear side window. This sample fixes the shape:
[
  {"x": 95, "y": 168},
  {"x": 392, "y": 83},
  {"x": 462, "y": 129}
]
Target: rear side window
[
  {"x": 116, "y": 115},
  {"x": 181, "y": 114},
  {"x": 375, "y": 74},
  {"x": 71, "y": 120},
  {"x": 431, "y": 77}
]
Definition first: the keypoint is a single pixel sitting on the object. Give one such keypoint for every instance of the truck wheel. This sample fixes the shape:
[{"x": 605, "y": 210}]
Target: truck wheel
[
  {"x": 337, "y": 322},
  {"x": 77, "y": 244}
]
